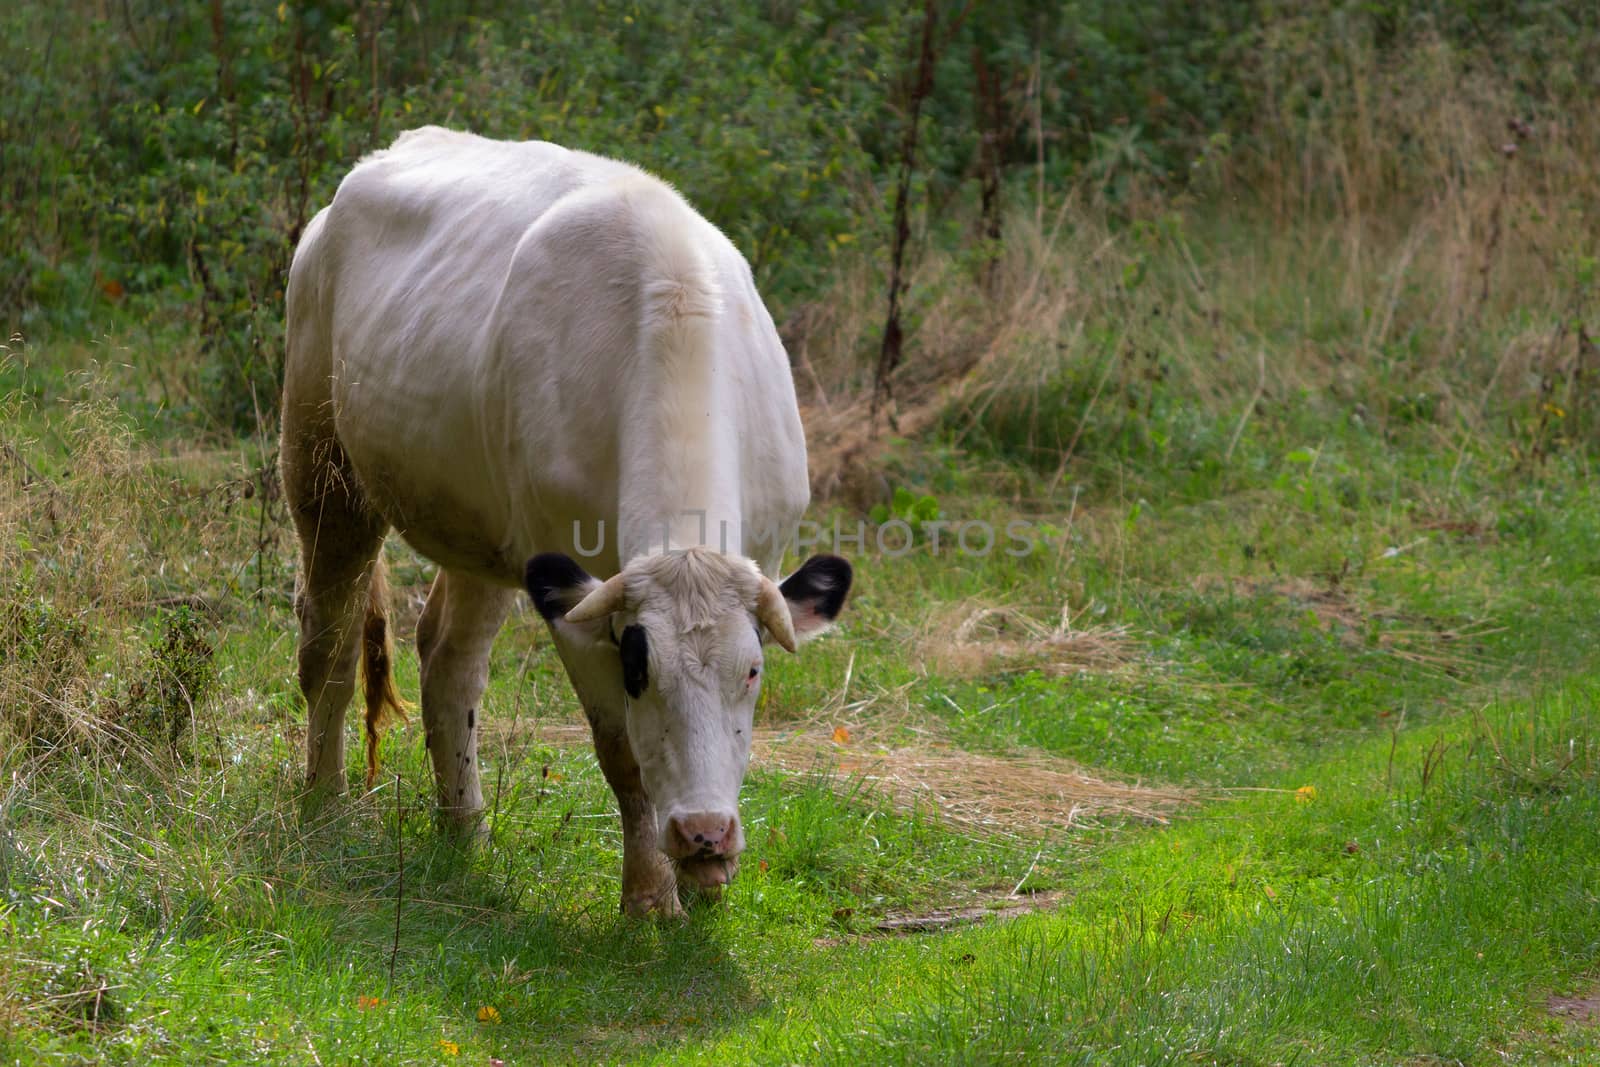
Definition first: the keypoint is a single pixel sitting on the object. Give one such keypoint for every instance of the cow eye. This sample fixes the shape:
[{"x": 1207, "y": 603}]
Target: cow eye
[{"x": 753, "y": 672}]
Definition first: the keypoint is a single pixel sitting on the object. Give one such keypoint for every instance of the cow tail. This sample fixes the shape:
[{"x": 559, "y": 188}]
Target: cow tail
[{"x": 377, "y": 675}]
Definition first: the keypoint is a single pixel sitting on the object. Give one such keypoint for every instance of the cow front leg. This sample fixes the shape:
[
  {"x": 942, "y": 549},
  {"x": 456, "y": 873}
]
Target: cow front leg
[
  {"x": 648, "y": 883},
  {"x": 454, "y": 638}
]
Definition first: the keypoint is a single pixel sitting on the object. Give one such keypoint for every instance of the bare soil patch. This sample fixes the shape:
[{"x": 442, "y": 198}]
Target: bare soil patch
[
  {"x": 937, "y": 920},
  {"x": 1581, "y": 1008},
  {"x": 997, "y": 908}
]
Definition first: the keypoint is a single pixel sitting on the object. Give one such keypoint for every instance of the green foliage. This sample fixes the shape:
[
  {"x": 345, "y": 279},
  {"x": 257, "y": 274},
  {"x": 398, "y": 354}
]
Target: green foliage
[
  {"x": 158, "y": 162},
  {"x": 184, "y": 162},
  {"x": 1358, "y": 921},
  {"x": 914, "y": 510}
]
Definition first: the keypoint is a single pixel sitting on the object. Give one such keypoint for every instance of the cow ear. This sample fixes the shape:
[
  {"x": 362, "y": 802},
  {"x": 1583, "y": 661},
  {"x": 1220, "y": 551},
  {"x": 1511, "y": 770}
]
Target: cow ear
[
  {"x": 815, "y": 594},
  {"x": 556, "y": 583},
  {"x": 635, "y": 648}
]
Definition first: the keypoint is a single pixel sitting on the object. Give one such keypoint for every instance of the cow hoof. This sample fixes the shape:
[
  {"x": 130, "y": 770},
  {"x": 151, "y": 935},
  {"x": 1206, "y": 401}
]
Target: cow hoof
[{"x": 663, "y": 902}]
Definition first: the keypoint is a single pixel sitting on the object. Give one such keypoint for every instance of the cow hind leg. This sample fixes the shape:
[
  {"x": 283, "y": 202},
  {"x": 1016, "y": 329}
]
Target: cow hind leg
[
  {"x": 648, "y": 882},
  {"x": 454, "y": 638},
  {"x": 338, "y": 603}
]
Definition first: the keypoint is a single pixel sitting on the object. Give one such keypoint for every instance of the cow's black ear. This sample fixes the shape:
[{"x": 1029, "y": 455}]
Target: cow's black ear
[
  {"x": 635, "y": 648},
  {"x": 556, "y": 583},
  {"x": 816, "y": 594}
]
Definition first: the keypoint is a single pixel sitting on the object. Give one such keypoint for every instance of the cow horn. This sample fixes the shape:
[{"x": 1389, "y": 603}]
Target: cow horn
[
  {"x": 600, "y": 603},
  {"x": 772, "y": 611}
]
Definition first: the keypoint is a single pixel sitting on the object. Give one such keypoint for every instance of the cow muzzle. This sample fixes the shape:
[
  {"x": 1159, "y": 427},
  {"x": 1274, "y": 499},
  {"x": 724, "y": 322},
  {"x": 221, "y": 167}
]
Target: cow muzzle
[{"x": 703, "y": 835}]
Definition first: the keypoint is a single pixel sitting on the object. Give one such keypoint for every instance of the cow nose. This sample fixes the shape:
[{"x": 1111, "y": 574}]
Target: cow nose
[{"x": 703, "y": 834}]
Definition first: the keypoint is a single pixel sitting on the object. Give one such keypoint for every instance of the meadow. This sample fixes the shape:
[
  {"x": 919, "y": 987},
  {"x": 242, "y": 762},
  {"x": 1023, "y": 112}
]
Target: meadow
[{"x": 1279, "y": 744}]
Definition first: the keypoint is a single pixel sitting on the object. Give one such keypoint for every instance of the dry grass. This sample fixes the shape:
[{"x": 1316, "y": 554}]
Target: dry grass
[
  {"x": 1580, "y": 1008},
  {"x": 965, "y": 348},
  {"x": 1452, "y": 268},
  {"x": 965, "y": 641},
  {"x": 1027, "y": 796},
  {"x": 116, "y": 568}
]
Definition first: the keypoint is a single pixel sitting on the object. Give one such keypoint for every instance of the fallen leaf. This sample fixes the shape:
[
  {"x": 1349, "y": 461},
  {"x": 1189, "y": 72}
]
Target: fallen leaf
[{"x": 841, "y": 736}]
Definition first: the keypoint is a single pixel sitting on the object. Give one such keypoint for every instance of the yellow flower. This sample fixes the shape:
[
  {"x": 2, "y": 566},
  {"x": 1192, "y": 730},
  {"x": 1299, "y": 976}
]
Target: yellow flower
[
  {"x": 1305, "y": 794},
  {"x": 449, "y": 1048},
  {"x": 488, "y": 1014}
]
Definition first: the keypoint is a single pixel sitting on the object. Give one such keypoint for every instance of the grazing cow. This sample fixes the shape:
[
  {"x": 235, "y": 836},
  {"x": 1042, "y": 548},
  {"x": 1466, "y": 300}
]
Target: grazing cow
[{"x": 515, "y": 354}]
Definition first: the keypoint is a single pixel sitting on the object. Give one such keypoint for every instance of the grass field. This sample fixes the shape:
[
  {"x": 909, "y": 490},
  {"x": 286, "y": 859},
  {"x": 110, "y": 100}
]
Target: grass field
[{"x": 1279, "y": 746}]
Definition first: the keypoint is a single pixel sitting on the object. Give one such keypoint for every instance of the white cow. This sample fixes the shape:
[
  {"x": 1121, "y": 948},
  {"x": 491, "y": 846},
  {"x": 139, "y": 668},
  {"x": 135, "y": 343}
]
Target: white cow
[{"x": 514, "y": 354}]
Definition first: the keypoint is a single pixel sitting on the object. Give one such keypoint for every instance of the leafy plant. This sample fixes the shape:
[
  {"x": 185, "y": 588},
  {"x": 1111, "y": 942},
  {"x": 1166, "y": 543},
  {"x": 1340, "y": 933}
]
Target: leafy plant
[
  {"x": 907, "y": 507},
  {"x": 180, "y": 675}
]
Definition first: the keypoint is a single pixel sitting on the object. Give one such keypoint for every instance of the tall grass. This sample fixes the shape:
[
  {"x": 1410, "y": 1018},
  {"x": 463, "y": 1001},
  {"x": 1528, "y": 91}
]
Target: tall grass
[
  {"x": 1405, "y": 240},
  {"x": 119, "y": 566}
]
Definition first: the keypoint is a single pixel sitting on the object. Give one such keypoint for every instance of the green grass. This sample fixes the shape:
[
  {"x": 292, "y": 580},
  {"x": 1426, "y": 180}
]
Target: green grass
[
  {"x": 1397, "y": 913},
  {"x": 1415, "y": 906}
]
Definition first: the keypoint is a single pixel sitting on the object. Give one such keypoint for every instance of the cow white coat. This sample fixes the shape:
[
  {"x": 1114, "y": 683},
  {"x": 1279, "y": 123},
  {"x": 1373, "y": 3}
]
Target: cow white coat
[{"x": 518, "y": 356}]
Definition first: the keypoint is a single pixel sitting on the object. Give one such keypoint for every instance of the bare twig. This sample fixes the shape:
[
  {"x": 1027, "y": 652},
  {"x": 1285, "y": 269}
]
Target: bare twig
[
  {"x": 1028, "y": 873},
  {"x": 918, "y": 90}
]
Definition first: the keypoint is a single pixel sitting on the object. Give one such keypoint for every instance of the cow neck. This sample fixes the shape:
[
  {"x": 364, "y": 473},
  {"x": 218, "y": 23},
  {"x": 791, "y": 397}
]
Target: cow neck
[{"x": 680, "y": 470}]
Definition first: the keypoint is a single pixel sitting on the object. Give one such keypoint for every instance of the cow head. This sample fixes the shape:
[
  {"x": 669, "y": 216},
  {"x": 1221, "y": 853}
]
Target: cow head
[{"x": 682, "y": 635}]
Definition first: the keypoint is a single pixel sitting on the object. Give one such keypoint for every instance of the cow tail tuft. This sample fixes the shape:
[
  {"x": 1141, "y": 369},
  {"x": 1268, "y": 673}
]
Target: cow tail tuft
[{"x": 377, "y": 676}]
